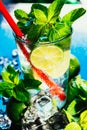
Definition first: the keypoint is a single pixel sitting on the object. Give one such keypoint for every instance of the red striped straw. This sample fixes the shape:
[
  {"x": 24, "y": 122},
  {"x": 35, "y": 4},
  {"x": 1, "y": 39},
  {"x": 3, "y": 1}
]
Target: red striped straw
[{"x": 9, "y": 19}]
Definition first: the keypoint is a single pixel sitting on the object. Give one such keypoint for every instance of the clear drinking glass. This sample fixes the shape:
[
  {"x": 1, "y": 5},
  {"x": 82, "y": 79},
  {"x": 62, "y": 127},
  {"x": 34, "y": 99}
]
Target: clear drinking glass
[{"x": 49, "y": 63}]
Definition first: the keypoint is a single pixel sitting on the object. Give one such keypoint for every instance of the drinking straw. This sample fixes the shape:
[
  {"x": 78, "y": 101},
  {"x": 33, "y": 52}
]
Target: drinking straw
[
  {"x": 55, "y": 89},
  {"x": 9, "y": 19}
]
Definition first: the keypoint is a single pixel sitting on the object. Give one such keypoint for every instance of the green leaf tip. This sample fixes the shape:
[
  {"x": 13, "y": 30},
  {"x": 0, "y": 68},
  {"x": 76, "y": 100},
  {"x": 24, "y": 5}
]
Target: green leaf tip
[{"x": 73, "y": 15}]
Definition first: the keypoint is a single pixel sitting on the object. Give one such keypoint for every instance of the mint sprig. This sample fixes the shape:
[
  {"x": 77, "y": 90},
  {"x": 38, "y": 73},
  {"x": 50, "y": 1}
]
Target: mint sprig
[
  {"x": 76, "y": 107},
  {"x": 45, "y": 22},
  {"x": 14, "y": 87}
]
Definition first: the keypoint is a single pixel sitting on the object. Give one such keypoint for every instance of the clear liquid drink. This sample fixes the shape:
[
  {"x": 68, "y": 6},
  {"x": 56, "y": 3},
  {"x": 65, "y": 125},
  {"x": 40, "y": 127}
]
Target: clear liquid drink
[{"x": 49, "y": 63}]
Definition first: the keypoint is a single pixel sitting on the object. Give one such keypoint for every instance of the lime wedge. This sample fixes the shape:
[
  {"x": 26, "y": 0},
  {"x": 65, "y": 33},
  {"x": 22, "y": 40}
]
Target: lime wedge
[
  {"x": 50, "y": 59},
  {"x": 74, "y": 66}
]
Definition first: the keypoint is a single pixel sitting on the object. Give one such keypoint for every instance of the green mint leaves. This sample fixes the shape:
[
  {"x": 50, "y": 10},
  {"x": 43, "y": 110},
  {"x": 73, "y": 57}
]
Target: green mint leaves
[
  {"x": 13, "y": 86},
  {"x": 40, "y": 16},
  {"x": 79, "y": 124},
  {"x": 54, "y": 10},
  {"x": 45, "y": 22},
  {"x": 20, "y": 15},
  {"x": 73, "y": 15},
  {"x": 10, "y": 75},
  {"x": 76, "y": 108}
]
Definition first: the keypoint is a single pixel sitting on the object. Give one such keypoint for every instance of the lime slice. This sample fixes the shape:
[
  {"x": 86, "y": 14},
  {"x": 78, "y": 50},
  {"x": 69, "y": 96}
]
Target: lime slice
[{"x": 50, "y": 59}]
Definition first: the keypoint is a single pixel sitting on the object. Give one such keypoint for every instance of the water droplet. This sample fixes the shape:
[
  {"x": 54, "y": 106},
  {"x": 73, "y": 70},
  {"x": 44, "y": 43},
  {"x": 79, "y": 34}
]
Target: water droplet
[
  {"x": 1, "y": 60},
  {"x": 14, "y": 53},
  {"x": 14, "y": 62}
]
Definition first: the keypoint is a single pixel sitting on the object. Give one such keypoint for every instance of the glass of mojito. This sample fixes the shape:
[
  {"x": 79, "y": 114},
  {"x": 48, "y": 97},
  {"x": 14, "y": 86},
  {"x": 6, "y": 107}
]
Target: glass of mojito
[
  {"x": 49, "y": 63},
  {"x": 46, "y": 56}
]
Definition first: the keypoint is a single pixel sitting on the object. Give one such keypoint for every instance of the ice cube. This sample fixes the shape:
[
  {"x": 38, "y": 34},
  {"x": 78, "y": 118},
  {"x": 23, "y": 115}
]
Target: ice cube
[
  {"x": 44, "y": 106},
  {"x": 5, "y": 122}
]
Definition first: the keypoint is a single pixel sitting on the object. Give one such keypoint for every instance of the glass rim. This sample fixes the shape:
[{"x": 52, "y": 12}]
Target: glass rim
[{"x": 24, "y": 39}]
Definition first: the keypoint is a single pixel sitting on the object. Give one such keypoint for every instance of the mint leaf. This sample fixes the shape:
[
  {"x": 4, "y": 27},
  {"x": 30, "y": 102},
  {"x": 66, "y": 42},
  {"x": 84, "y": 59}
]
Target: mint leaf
[
  {"x": 38, "y": 6},
  {"x": 14, "y": 75},
  {"x": 72, "y": 90},
  {"x": 21, "y": 14},
  {"x": 34, "y": 32},
  {"x": 24, "y": 26},
  {"x": 15, "y": 110},
  {"x": 31, "y": 84},
  {"x": 69, "y": 116},
  {"x": 73, "y": 15},
  {"x": 6, "y": 89},
  {"x": 8, "y": 93},
  {"x": 20, "y": 93},
  {"x": 40, "y": 16},
  {"x": 10, "y": 75},
  {"x": 53, "y": 34},
  {"x": 77, "y": 89},
  {"x": 76, "y": 107},
  {"x": 54, "y": 10},
  {"x": 71, "y": 108},
  {"x": 59, "y": 31},
  {"x": 5, "y": 76},
  {"x": 81, "y": 86}
]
